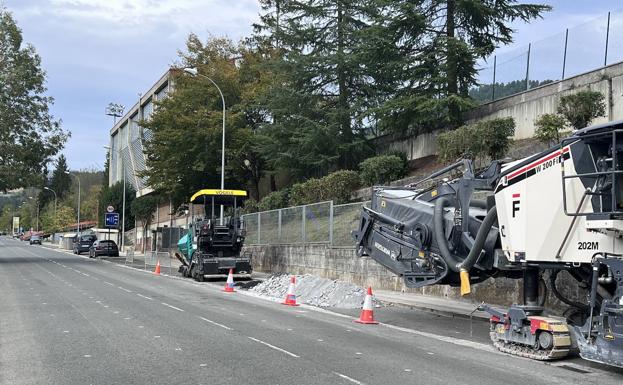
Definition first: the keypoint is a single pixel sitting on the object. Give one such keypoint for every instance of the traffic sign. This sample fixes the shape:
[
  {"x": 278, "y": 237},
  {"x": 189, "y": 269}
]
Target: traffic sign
[
  {"x": 110, "y": 209},
  {"x": 112, "y": 219}
]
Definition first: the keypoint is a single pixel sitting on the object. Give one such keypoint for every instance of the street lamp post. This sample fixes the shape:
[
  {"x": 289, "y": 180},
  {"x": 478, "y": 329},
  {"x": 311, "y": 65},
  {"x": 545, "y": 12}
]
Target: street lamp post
[
  {"x": 194, "y": 72},
  {"x": 37, "y": 223},
  {"x": 123, "y": 199},
  {"x": 78, "y": 224},
  {"x": 54, "y": 192}
]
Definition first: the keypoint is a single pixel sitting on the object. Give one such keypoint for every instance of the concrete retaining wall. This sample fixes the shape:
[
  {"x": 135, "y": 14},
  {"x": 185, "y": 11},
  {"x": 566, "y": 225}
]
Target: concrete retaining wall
[{"x": 344, "y": 265}]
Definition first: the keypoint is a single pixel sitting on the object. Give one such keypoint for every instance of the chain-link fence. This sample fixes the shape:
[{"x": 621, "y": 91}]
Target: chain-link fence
[
  {"x": 573, "y": 51},
  {"x": 321, "y": 222}
]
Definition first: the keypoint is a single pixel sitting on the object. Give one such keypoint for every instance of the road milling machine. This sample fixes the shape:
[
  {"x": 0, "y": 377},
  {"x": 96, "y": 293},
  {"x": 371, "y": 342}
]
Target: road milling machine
[
  {"x": 559, "y": 210},
  {"x": 214, "y": 242}
]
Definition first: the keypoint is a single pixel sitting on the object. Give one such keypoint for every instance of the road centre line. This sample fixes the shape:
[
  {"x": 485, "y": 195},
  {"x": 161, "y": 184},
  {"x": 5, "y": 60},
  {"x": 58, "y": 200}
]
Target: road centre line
[
  {"x": 124, "y": 289},
  {"x": 144, "y": 296},
  {"x": 171, "y": 306},
  {"x": 349, "y": 378},
  {"x": 274, "y": 347},
  {"x": 109, "y": 283},
  {"x": 216, "y": 323}
]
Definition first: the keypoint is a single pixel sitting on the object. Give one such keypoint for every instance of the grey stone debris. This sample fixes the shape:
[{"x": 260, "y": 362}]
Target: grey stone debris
[{"x": 313, "y": 290}]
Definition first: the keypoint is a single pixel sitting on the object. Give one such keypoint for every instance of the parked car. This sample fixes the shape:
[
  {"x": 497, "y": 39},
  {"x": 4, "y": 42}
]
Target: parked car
[
  {"x": 35, "y": 239},
  {"x": 103, "y": 247},
  {"x": 83, "y": 243}
]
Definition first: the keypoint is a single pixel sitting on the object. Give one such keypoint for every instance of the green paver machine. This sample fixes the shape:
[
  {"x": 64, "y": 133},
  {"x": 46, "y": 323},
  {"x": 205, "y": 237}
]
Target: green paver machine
[{"x": 213, "y": 244}]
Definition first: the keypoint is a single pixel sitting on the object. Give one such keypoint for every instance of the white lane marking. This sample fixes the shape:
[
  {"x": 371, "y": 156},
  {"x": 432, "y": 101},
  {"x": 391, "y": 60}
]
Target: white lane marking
[
  {"x": 203, "y": 365},
  {"x": 274, "y": 347},
  {"x": 85, "y": 274},
  {"x": 216, "y": 323},
  {"x": 178, "y": 349},
  {"x": 87, "y": 355},
  {"x": 319, "y": 340},
  {"x": 65, "y": 331},
  {"x": 144, "y": 296},
  {"x": 344, "y": 376},
  {"x": 171, "y": 306},
  {"x": 126, "y": 318},
  {"x": 407, "y": 370},
  {"x": 156, "y": 336},
  {"x": 452, "y": 340},
  {"x": 124, "y": 289},
  {"x": 108, "y": 283}
]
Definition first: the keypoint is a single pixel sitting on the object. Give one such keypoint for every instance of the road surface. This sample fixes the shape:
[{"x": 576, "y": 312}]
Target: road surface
[{"x": 71, "y": 320}]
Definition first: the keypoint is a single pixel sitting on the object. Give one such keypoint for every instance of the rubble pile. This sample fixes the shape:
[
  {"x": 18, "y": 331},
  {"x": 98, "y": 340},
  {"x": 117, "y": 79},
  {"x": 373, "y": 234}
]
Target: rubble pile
[{"x": 313, "y": 290}]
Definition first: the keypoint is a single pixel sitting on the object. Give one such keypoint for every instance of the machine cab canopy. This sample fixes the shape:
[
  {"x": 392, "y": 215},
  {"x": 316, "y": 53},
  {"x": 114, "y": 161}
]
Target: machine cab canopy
[{"x": 219, "y": 197}]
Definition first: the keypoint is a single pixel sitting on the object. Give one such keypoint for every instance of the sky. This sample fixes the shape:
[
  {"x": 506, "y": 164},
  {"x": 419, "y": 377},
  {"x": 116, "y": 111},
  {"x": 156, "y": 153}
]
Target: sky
[{"x": 101, "y": 51}]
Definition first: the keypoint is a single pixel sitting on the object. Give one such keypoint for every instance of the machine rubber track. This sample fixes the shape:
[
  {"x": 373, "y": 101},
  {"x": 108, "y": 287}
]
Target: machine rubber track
[{"x": 556, "y": 352}]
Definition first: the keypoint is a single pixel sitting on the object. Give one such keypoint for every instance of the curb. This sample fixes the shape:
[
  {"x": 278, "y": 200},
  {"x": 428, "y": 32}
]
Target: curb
[{"x": 479, "y": 315}]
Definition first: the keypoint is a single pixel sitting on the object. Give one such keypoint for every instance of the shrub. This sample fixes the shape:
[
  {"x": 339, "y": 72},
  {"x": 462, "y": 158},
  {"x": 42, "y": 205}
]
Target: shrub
[
  {"x": 381, "y": 169},
  {"x": 488, "y": 138},
  {"x": 336, "y": 186},
  {"x": 250, "y": 206},
  {"x": 581, "y": 108},
  {"x": 274, "y": 200},
  {"x": 548, "y": 128}
]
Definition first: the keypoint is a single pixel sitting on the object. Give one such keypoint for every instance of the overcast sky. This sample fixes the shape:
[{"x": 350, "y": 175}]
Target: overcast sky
[{"x": 101, "y": 51}]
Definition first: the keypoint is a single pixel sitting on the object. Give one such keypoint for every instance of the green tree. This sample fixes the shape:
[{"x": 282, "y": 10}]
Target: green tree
[
  {"x": 184, "y": 154},
  {"x": 581, "y": 108},
  {"x": 60, "y": 183},
  {"x": 430, "y": 48},
  {"x": 321, "y": 88},
  {"x": 143, "y": 210},
  {"x": 548, "y": 128},
  {"x": 29, "y": 134}
]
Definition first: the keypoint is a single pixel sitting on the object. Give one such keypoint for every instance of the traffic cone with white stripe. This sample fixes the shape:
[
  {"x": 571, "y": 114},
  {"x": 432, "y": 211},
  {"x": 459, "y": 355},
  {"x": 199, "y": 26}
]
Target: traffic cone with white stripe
[
  {"x": 367, "y": 313},
  {"x": 157, "y": 270},
  {"x": 229, "y": 285},
  {"x": 290, "y": 296}
]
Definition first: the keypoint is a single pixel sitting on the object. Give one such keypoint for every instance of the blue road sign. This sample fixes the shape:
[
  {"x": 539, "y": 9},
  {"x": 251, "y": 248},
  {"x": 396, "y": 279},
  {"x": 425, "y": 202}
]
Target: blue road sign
[{"x": 112, "y": 220}]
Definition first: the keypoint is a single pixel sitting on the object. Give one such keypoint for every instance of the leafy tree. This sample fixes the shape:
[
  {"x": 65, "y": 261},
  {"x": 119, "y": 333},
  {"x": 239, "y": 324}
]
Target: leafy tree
[
  {"x": 549, "y": 127},
  {"x": 142, "y": 209},
  {"x": 29, "y": 134},
  {"x": 64, "y": 217},
  {"x": 381, "y": 169},
  {"x": 184, "y": 154},
  {"x": 60, "y": 182},
  {"x": 336, "y": 186},
  {"x": 581, "y": 108},
  {"x": 274, "y": 200}
]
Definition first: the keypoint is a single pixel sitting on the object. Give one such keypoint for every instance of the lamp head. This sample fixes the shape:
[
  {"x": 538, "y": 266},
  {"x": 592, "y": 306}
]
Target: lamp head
[{"x": 191, "y": 71}]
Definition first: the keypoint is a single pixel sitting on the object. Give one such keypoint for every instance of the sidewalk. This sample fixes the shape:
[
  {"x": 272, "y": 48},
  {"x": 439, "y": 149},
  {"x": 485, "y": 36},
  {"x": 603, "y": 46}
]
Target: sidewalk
[{"x": 437, "y": 305}]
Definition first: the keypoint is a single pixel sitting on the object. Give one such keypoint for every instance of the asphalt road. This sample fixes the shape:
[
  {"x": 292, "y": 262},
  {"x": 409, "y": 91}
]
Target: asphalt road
[{"x": 70, "y": 320}]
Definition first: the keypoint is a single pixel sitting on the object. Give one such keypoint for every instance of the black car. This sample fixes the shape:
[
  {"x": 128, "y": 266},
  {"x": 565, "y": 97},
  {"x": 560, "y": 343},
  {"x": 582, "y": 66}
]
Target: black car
[
  {"x": 83, "y": 243},
  {"x": 103, "y": 247},
  {"x": 35, "y": 239}
]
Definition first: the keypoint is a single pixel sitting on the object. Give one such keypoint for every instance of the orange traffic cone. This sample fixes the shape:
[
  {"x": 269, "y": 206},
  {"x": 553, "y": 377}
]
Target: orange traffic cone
[
  {"x": 229, "y": 285},
  {"x": 157, "y": 270},
  {"x": 367, "y": 314},
  {"x": 290, "y": 296}
]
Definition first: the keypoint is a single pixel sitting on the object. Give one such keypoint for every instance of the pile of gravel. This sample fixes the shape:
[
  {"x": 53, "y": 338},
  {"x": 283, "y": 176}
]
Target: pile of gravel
[{"x": 313, "y": 290}]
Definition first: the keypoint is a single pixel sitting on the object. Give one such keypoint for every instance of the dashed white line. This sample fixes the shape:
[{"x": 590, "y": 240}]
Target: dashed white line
[
  {"x": 171, "y": 306},
  {"x": 124, "y": 289},
  {"x": 109, "y": 283},
  {"x": 144, "y": 296},
  {"x": 349, "y": 378},
  {"x": 274, "y": 347},
  {"x": 216, "y": 323}
]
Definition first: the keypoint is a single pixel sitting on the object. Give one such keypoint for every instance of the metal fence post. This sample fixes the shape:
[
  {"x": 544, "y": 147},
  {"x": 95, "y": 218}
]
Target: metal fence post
[
  {"x": 331, "y": 223},
  {"x": 259, "y": 228},
  {"x": 528, "y": 68},
  {"x": 303, "y": 237},
  {"x": 564, "y": 57},
  {"x": 493, "y": 85},
  {"x": 607, "y": 37},
  {"x": 279, "y": 227}
]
